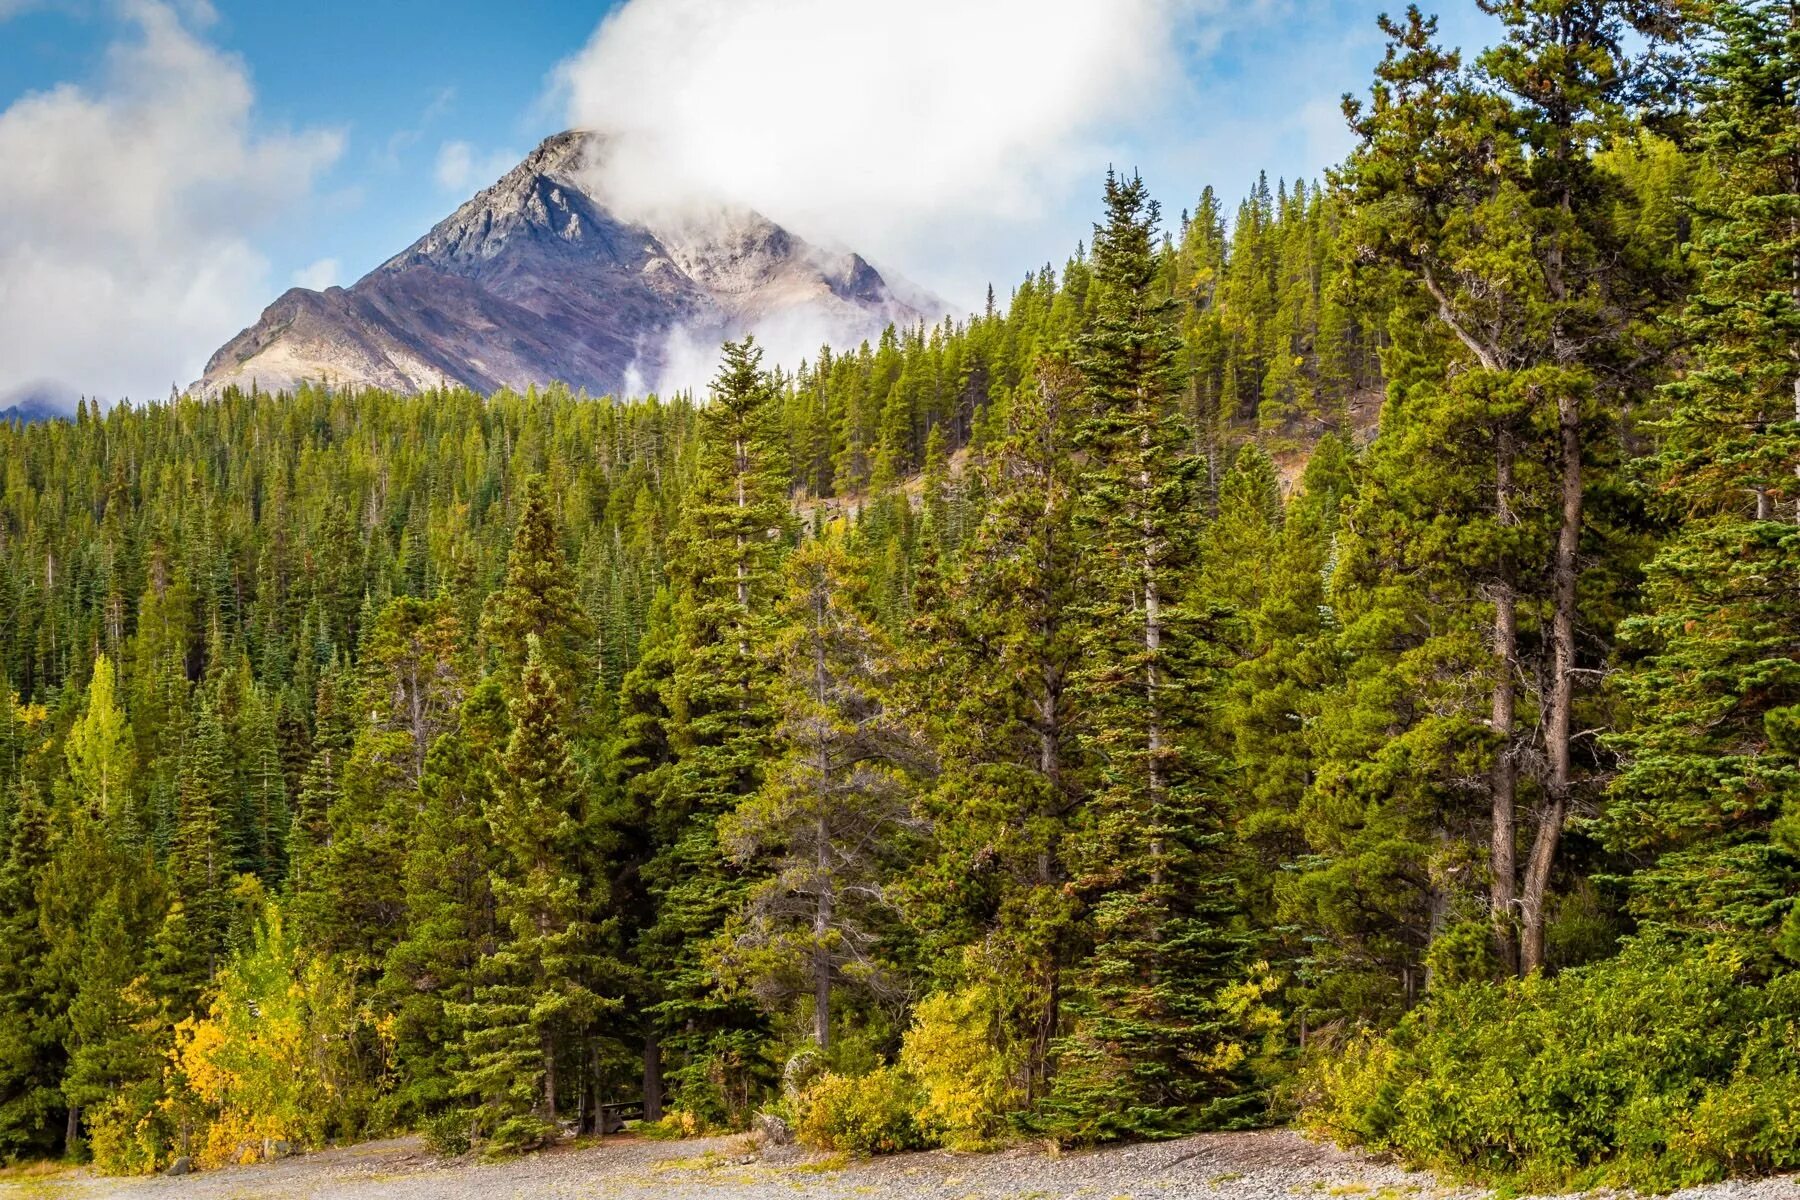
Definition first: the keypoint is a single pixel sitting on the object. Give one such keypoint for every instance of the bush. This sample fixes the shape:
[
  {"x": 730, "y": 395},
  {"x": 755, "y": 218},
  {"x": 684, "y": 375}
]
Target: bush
[
  {"x": 129, "y": 1133},
  {"x": 964, "y": 1085},
  {"x": 519, "y": 1133},
  {"x": 448, "y": 1134},
  {"x": 1664, "y": 1067},
  {"x": 674, "y": 1125},
  {"x": 861, "y": 1115}
]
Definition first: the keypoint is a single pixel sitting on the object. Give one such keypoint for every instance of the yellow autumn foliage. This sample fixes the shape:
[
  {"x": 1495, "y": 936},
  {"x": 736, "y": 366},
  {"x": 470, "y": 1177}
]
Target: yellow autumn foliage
[
  {"x": 965, "y": 1084},
  {"x": 284, "y": 1054}
]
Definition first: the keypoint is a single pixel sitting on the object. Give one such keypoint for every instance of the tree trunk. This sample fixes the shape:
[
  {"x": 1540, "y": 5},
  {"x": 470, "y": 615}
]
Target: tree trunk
[
  {"x": 821, "y": 953},
  {"x": 1153, "y": 632},
  {"x": 550, "y": 1079},
  {"x": 1504, "y": 782},
  {"x": 72, "y": 1132},
  {"x": 1037, "y": 1067},
  {"x": 1558, "y": 720},
  {"x": 822, "y": 912},
  {"x": 653, "y": 1085}
]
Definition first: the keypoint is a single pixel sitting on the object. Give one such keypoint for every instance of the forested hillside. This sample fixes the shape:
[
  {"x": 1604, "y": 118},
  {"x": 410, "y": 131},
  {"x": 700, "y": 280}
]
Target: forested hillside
[{"x": 1084, "y": 721}]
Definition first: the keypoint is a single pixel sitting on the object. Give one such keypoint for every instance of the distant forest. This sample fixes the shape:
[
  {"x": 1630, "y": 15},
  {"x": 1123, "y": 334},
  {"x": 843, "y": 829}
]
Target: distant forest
[{"x": 1332, "y": 658}]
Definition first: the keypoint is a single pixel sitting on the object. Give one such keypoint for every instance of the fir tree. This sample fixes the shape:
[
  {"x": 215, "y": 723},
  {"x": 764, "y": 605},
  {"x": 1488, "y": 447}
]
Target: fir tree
[
  {"x": 720, "y": 718},
  {"x": 1148, "y": 855}
]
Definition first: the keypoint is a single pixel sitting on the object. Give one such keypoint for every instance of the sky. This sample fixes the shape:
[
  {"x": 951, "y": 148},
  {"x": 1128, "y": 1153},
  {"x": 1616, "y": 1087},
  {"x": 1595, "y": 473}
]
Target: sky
[{"x": 168, "y": 167}]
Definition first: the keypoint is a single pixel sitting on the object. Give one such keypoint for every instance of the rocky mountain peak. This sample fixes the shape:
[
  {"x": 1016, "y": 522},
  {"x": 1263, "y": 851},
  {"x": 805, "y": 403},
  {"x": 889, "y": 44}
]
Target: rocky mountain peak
[{"x": 534, "y": 279}]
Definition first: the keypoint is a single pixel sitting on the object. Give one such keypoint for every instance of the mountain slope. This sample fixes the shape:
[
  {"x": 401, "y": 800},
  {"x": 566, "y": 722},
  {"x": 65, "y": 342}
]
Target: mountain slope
[{"x": 535, "y": 280}]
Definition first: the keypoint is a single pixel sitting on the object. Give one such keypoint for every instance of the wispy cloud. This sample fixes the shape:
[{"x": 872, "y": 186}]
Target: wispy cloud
[
  {"x": 906, "y": 131},
  {"x": 131, "y": 204},
  {"x": 461, "y": 167},
  {"x": 319, "y": 275}
]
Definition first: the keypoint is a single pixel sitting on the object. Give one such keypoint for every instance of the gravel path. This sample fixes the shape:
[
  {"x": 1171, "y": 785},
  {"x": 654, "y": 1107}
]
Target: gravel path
[{"x": 1273, "y": 1165}]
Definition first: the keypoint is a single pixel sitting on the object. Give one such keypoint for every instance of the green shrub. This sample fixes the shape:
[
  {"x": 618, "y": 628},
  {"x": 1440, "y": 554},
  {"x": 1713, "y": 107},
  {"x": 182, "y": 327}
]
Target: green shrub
[
  {"x": 1660, "y": 1068},
  {"x": 447, "y": 1134},
  {"x": 519, "y": 1133},
  {"x": 861, "y": 1115}
]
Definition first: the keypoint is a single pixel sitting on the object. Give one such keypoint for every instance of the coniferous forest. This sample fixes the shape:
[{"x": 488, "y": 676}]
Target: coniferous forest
[{"x": 1333, "y": 657}]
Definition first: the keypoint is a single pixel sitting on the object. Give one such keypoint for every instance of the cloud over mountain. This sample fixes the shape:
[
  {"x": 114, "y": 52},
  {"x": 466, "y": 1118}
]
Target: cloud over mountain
[
  {"x": 131, "y": 205},
  {"x": 896, "y": 128}
]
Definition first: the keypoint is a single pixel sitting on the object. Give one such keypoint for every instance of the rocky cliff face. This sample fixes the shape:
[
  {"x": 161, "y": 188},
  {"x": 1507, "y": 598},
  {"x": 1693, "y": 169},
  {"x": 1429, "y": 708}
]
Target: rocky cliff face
[{"x": 535, "y": 280}]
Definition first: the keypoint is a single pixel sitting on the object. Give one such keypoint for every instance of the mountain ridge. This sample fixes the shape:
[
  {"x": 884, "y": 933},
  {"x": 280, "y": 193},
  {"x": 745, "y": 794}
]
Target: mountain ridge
[{"x": 535, "y": 279}]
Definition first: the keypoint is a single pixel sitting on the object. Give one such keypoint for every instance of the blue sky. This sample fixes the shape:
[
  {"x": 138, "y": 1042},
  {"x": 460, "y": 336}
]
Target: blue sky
[{"x": 253, "y": 145}]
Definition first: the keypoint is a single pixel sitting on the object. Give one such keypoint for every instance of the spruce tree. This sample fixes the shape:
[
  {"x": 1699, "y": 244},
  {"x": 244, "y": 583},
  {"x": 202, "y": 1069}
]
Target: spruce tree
[
  {"x": 539, "y": 598},
  {"x": 1139, "y": 1057},
  {"x": 1711, "y": 778},
  {"x": 31, "y": 1056},
  {"x": 194, "y": 939},
  {"x": 720, "y": 720},
  {"x": 431, "y": 971}
]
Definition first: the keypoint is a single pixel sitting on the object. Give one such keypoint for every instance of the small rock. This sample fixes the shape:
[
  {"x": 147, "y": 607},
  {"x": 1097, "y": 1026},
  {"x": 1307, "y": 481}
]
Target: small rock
[
  {"x": 181, "y": 1166},
  {"x": 274, "y": 1148}
]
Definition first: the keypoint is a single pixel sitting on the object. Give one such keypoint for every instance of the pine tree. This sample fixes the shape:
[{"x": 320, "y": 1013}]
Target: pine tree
[
  {"x": 539, "y": 598},
  {"x": 1711, "y": 775},
  {"x": 1451, "y": 168},
  {"x": 320, "y": 788},
  {"x": 31, "y": 1060},
  {"x": 194, "y": 939},
  {"x": 431, "y": 971},
  {"x": 993, "y": 655},
  {"x": 1139, "y": 1057},
  {"x": 115, "y": 1051}
]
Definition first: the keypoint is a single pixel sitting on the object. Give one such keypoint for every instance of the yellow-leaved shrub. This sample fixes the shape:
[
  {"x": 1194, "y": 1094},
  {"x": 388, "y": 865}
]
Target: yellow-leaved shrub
[
  {"x": 860, "y": 1114},
  {"x": 284, "y": 1054},
  {"x": 964, "y": 1085}
]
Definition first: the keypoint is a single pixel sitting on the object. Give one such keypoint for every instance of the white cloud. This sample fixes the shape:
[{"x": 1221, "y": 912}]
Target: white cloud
[
  {"x": 318, "y": 276},
  {"x": 460, "y": 168},
  {"x": 129, "y": 206},
  {"x": 916, "y": 133}
]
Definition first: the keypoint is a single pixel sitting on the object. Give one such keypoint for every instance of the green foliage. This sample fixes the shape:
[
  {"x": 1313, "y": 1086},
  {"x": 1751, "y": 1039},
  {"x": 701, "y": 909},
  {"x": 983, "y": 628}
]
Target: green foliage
[
  {"x": 447, "y": 1134},
  {"x": 1665, "y": 1067},
  {"x": 284, "y": 1052},
  {"x": 1254, "y": 630},
  {"x": 1146, "y": 1053}
]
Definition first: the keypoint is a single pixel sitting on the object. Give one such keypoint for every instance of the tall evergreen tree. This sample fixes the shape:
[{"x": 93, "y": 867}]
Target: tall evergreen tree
[
  {"x": 1148, "y": 854},
  {"x": 994, "y": 654},
  {"x": 720, "y": 719},
  {"x": 1711, "y": 779}
]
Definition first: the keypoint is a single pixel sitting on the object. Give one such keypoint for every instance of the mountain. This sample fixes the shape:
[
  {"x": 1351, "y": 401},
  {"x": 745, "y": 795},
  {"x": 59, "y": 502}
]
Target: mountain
[
  {"x": 535, "y": 280},
  {"x": 36, "y": 402}
]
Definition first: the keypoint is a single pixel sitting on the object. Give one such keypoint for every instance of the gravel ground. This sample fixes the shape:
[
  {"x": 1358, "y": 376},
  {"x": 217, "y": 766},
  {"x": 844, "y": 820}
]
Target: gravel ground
[{"x": 1273, "y": 1165}]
